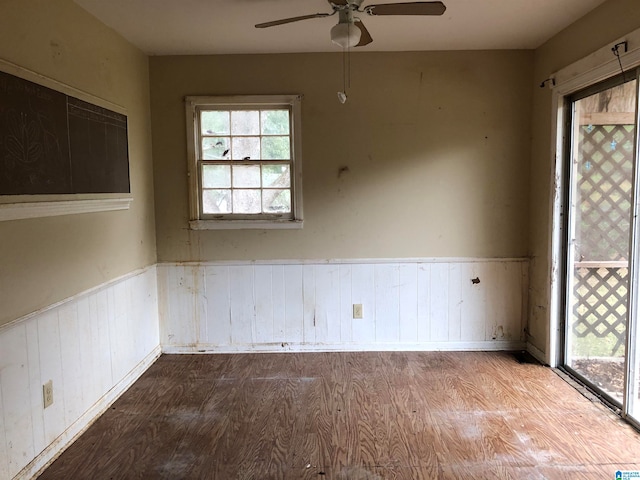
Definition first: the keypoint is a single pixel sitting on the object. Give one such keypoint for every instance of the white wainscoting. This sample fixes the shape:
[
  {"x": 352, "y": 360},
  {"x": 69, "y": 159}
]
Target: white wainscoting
[
  {"x": 422, "y": 304},
  {"x": 93, "y": 346}
]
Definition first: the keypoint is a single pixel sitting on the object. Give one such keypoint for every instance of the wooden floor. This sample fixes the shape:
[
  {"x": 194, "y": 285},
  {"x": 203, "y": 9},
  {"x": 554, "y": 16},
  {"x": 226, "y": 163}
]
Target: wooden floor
[{"x": 351, "y": 416}]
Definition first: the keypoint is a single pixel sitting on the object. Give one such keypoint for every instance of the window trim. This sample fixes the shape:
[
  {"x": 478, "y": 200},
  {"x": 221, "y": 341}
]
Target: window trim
[{"x": 195, "y": 103}]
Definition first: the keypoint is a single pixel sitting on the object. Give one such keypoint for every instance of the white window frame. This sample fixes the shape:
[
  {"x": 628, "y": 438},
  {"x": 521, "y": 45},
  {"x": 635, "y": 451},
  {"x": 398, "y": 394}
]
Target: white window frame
[{"x": 197, "y": 221}]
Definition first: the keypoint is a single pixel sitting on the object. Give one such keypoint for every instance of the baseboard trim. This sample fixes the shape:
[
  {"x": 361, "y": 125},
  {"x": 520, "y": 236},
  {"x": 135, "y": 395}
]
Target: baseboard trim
[
  {"x": 369, "y": 347},
  {"x": 60, "y": 444},
  {"x": 537, "y": 354}
]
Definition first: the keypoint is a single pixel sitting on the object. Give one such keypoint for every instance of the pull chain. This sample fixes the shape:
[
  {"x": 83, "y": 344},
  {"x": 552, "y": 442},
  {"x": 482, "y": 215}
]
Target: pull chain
[{"x": 346, "y": 72}]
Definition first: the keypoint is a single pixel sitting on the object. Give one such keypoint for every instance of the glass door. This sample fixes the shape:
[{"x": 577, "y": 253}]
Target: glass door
[{"x": 601, "y": 207}]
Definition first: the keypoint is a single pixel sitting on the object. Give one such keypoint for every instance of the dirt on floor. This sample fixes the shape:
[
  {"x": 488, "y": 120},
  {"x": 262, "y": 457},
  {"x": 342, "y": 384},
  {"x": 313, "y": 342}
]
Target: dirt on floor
[{"x": 605, "y": 374}]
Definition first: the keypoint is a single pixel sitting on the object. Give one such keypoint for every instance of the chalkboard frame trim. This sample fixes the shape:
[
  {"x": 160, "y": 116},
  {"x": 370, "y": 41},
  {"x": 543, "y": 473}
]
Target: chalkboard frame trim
[
  {"x": 17, "y": 207},
  {"x": 24, "y": 210},
  {"x": 31, "y": 76}
]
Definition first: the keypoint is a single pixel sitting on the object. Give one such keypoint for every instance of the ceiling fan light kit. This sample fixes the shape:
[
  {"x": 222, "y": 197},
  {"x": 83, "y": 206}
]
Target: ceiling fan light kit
[{"x": 346, "y": 35}]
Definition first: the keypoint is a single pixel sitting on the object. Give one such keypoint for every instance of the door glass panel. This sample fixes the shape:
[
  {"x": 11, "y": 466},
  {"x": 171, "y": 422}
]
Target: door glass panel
[{"x": 603, "y": 139}]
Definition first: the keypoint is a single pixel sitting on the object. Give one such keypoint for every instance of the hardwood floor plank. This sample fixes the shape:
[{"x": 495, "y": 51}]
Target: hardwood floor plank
[{"x": 365, "y": 415}]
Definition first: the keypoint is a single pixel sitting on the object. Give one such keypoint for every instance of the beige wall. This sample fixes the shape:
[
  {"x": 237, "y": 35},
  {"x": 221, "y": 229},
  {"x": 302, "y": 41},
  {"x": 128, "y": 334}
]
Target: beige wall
[
  {"x": 610, "y": 21},
  {"x": 46, "y": 260},
  {"x": 437, "y": 145}
]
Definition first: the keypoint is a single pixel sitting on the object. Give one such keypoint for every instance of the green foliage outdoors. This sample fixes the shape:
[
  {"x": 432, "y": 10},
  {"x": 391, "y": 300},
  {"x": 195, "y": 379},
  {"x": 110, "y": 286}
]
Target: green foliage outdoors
[{"x": 592, "y": 346}]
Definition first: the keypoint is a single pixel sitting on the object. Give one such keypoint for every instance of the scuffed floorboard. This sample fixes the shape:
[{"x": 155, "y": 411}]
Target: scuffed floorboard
[{"x": 376, "y": 415}]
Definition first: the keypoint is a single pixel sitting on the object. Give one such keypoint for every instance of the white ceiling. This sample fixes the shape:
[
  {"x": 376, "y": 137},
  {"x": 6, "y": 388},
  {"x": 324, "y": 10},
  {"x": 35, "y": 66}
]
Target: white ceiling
[{"x": 182, "y": 27}]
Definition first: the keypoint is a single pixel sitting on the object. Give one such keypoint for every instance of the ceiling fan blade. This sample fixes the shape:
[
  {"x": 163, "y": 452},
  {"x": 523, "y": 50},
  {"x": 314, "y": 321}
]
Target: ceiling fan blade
[
  {"x": 409, "y": 8},
  {"x": 365, "y": 36},
  {"x": 292, "y": 19}
]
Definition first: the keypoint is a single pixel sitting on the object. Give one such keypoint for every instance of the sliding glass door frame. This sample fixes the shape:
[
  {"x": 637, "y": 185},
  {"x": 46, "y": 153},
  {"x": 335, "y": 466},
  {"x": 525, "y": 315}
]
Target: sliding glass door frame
[
  {"x": 566, "y": 273},
  {"x": 632, "y": 362}
]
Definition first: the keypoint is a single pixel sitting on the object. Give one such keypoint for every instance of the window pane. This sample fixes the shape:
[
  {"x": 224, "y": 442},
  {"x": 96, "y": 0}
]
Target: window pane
[
  {"x": 215, "y": 148},
  {"x": 276, "y": 148},
  {"x": 214, "y": 122},
  {"x": 246, "y": 201},
  {"x": 216, "y": 201},
  {"x": 246, "y": 176},
  {"x": 245, "y": 122},
  {"x": 276, "y": 176},
  {"x": 245, "y": 148},
  {"x": 276, "y": 201},
  {"x": 275, "y": 122},
  {"x": 216, "y": 176}
]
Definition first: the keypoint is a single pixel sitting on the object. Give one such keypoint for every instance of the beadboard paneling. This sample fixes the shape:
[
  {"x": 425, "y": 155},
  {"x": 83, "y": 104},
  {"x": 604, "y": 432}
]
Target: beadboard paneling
[
  {"x": 92, "y": 347},
  {"x": 95, "y": 344},
  {"x": 308, "y": 306}
]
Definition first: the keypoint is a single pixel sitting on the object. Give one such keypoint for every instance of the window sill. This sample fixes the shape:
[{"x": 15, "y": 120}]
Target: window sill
[
  {"x": 37, "y": 209},
  {"x": 245, "y": 225}
]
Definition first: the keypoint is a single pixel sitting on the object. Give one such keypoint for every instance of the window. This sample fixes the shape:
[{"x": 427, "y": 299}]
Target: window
[{"x": 244, "y": 162}]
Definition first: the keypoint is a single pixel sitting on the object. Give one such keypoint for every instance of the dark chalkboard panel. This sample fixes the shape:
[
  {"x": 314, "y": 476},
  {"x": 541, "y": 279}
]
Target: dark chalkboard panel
[{"x": 52, "y": 143}]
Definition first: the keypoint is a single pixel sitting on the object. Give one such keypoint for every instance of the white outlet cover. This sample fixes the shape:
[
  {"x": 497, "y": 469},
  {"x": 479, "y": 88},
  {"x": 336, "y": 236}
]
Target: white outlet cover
[{"x": 47, "y": 394}]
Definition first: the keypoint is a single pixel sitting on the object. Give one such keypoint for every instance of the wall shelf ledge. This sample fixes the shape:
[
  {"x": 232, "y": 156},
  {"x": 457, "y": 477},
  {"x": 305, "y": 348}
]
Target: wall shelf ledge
[{"x": 52, "y": 208}]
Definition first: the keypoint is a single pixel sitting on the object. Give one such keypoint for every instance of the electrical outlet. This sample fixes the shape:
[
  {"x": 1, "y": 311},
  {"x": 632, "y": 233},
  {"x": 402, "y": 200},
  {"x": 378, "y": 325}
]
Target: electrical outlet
[
  {"x": 357, "y": 310},
  {"x": 47, "y": 393}
]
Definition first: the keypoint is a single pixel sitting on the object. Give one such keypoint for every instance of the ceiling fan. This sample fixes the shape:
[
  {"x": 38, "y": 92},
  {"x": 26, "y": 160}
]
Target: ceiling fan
[{"x": 343, "y": 32}]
